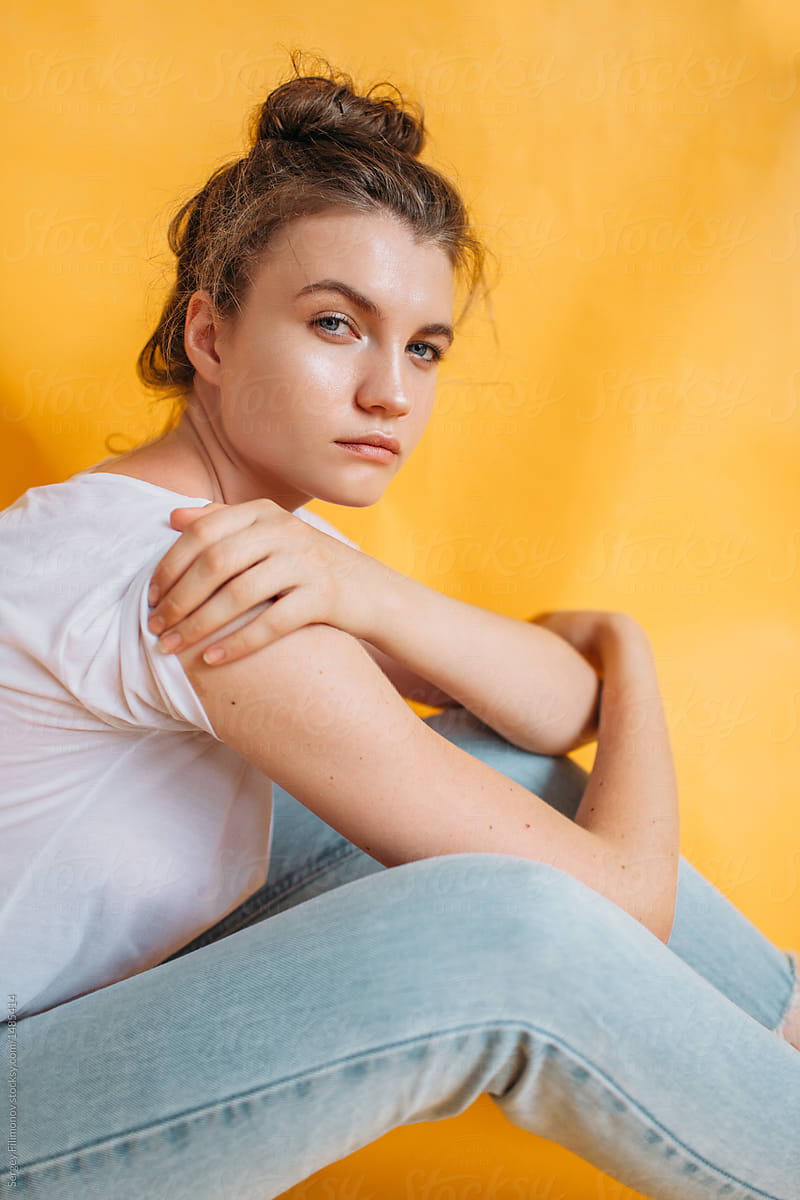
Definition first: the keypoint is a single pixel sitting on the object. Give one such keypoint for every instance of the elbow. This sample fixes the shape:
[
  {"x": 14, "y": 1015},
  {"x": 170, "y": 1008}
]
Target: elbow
[
  {"x": 572, "y": 738},
  {"x": 662, "y": 929},
  {"x": 588, "y": 731},
  {"x": 558, "y": 734},
  {"x": 669, "y": 919},
  {"x": 665, "y": 908}
]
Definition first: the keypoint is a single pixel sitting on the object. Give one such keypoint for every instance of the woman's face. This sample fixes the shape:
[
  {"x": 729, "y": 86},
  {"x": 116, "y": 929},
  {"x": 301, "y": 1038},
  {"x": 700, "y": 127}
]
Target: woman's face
[{"x": 339, "y": 338}]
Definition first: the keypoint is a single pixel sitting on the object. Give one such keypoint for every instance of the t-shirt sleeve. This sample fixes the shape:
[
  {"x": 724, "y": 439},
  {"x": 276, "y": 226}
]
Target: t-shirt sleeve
[
  {"x": 155, "y": 680},
  {"x": 110, "y": 662}
]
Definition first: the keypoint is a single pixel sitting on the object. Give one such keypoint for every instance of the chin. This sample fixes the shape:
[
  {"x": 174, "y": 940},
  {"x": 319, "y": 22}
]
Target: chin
[{"x": 353, "y": 496}]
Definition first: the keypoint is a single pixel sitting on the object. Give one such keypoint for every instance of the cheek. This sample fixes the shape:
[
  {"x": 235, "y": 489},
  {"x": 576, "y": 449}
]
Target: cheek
[{"x": 283, "y": 394}]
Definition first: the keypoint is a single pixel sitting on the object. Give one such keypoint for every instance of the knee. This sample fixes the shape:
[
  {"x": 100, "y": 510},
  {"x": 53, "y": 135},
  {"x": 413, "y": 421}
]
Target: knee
[
  {"x": 499, "y": 898},
  {"x": 497, "y": 936}
]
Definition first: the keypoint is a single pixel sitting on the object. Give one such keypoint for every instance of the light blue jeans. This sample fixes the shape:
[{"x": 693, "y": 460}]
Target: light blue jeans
[{"x": 344, "y": 999}]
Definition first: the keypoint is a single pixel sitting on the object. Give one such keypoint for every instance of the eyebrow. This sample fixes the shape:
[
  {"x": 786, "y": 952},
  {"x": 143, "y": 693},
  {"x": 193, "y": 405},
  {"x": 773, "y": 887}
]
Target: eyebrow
[{"x": 433, "y": 329}]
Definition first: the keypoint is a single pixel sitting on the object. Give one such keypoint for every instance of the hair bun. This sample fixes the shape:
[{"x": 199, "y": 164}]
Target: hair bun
[{"x": 309, "y": 107}]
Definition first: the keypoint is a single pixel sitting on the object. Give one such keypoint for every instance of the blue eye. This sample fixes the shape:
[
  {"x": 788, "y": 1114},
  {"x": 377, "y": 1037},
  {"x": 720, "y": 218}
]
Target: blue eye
[
  {"x": 330, "y": 317},
  {"x": 436, "y": 354}
]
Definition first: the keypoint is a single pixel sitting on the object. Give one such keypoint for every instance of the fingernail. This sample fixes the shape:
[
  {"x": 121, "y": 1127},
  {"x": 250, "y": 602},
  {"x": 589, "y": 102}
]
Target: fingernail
[
  {"x": 213, "y": 654},
  {"x": 169, "y": 642},
  {"x": 153, "y": 595},
  {"x": 156, "y": 625}
]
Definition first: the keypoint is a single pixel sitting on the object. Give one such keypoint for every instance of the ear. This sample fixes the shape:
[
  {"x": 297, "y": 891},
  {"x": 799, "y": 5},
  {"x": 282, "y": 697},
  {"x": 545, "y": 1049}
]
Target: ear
[{"x": 201, "y": 334}]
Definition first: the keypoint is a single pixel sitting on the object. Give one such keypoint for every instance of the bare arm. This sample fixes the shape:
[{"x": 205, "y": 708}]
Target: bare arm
[
  {"x": 529, "y": 685},
  {"x": 632, "y": 793},
  {"x": 525, "y": 682},
  {"x": 316, "y": 715},
  {"x": 409, "y": 684}
]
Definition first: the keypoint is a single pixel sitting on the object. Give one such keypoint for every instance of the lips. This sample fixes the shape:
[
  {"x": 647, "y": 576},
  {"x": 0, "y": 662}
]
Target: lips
[{"x": 384, "y": 440}]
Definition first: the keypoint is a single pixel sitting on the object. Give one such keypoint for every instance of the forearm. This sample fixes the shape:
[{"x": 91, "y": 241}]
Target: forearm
[
  {"x": 523, "y": 681},
  {"x": 631, "y": 797}
]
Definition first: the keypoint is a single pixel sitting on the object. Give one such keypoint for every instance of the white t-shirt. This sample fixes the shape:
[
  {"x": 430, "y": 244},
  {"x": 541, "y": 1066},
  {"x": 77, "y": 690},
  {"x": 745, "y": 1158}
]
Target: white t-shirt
[{"x": 126, "y": 825}]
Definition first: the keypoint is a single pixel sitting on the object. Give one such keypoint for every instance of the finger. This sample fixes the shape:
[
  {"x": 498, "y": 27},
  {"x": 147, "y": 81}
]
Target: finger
[
  {"x": 206, "y": 529},
  {"x": 265, "y": 581},
  {"x": 181, "y": 518},
  {"x": 286, "y": 614},
  {"x": 222, "y": 562}
]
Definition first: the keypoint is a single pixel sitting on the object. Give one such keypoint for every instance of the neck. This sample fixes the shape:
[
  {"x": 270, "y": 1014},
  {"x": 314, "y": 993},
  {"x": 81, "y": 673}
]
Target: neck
[
  {"x": 195, "y": 444},
  {"x": 202, "y": 453}
]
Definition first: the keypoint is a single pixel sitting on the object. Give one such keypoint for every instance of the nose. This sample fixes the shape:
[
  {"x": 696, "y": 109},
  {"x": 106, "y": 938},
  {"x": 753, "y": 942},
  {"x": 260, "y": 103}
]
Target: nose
[{"x": 383, "y": 385}]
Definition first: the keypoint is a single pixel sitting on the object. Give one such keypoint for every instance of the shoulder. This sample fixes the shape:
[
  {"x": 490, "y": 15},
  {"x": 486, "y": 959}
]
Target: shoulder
[
  {"x": 77, "y": 560},
  {"x": 89, "y": 524}
]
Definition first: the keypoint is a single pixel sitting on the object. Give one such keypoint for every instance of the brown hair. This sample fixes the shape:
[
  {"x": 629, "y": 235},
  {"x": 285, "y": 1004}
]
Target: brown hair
[{"x": 315, "y": 142}]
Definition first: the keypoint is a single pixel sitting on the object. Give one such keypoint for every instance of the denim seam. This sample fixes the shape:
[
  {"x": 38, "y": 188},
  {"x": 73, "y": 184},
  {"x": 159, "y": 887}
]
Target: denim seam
[{"x": 136, "y": 1136}]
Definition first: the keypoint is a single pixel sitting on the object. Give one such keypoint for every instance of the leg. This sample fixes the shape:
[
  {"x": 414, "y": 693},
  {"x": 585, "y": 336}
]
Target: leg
[
  {"x": 400, "y": 997},
  {"x": 710, "y": 933}
]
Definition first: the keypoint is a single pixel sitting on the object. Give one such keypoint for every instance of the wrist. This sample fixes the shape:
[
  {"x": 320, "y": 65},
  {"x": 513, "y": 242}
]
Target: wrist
[{"x": 375, "y": 585}]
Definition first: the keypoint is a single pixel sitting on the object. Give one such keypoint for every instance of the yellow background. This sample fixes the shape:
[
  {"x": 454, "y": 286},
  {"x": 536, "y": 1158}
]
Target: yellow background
[{"x": 630, "y": 441}]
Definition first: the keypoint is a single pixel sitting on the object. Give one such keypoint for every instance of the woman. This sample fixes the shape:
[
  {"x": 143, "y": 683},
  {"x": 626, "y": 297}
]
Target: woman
[{"x": 180, "y": 1019}]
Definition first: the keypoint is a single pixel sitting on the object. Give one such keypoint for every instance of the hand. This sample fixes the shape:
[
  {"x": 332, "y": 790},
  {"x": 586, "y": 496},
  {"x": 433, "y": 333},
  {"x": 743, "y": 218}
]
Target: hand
[
  {"x": 586, "y": 630},
  {"x": 231, "y": 557}
]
